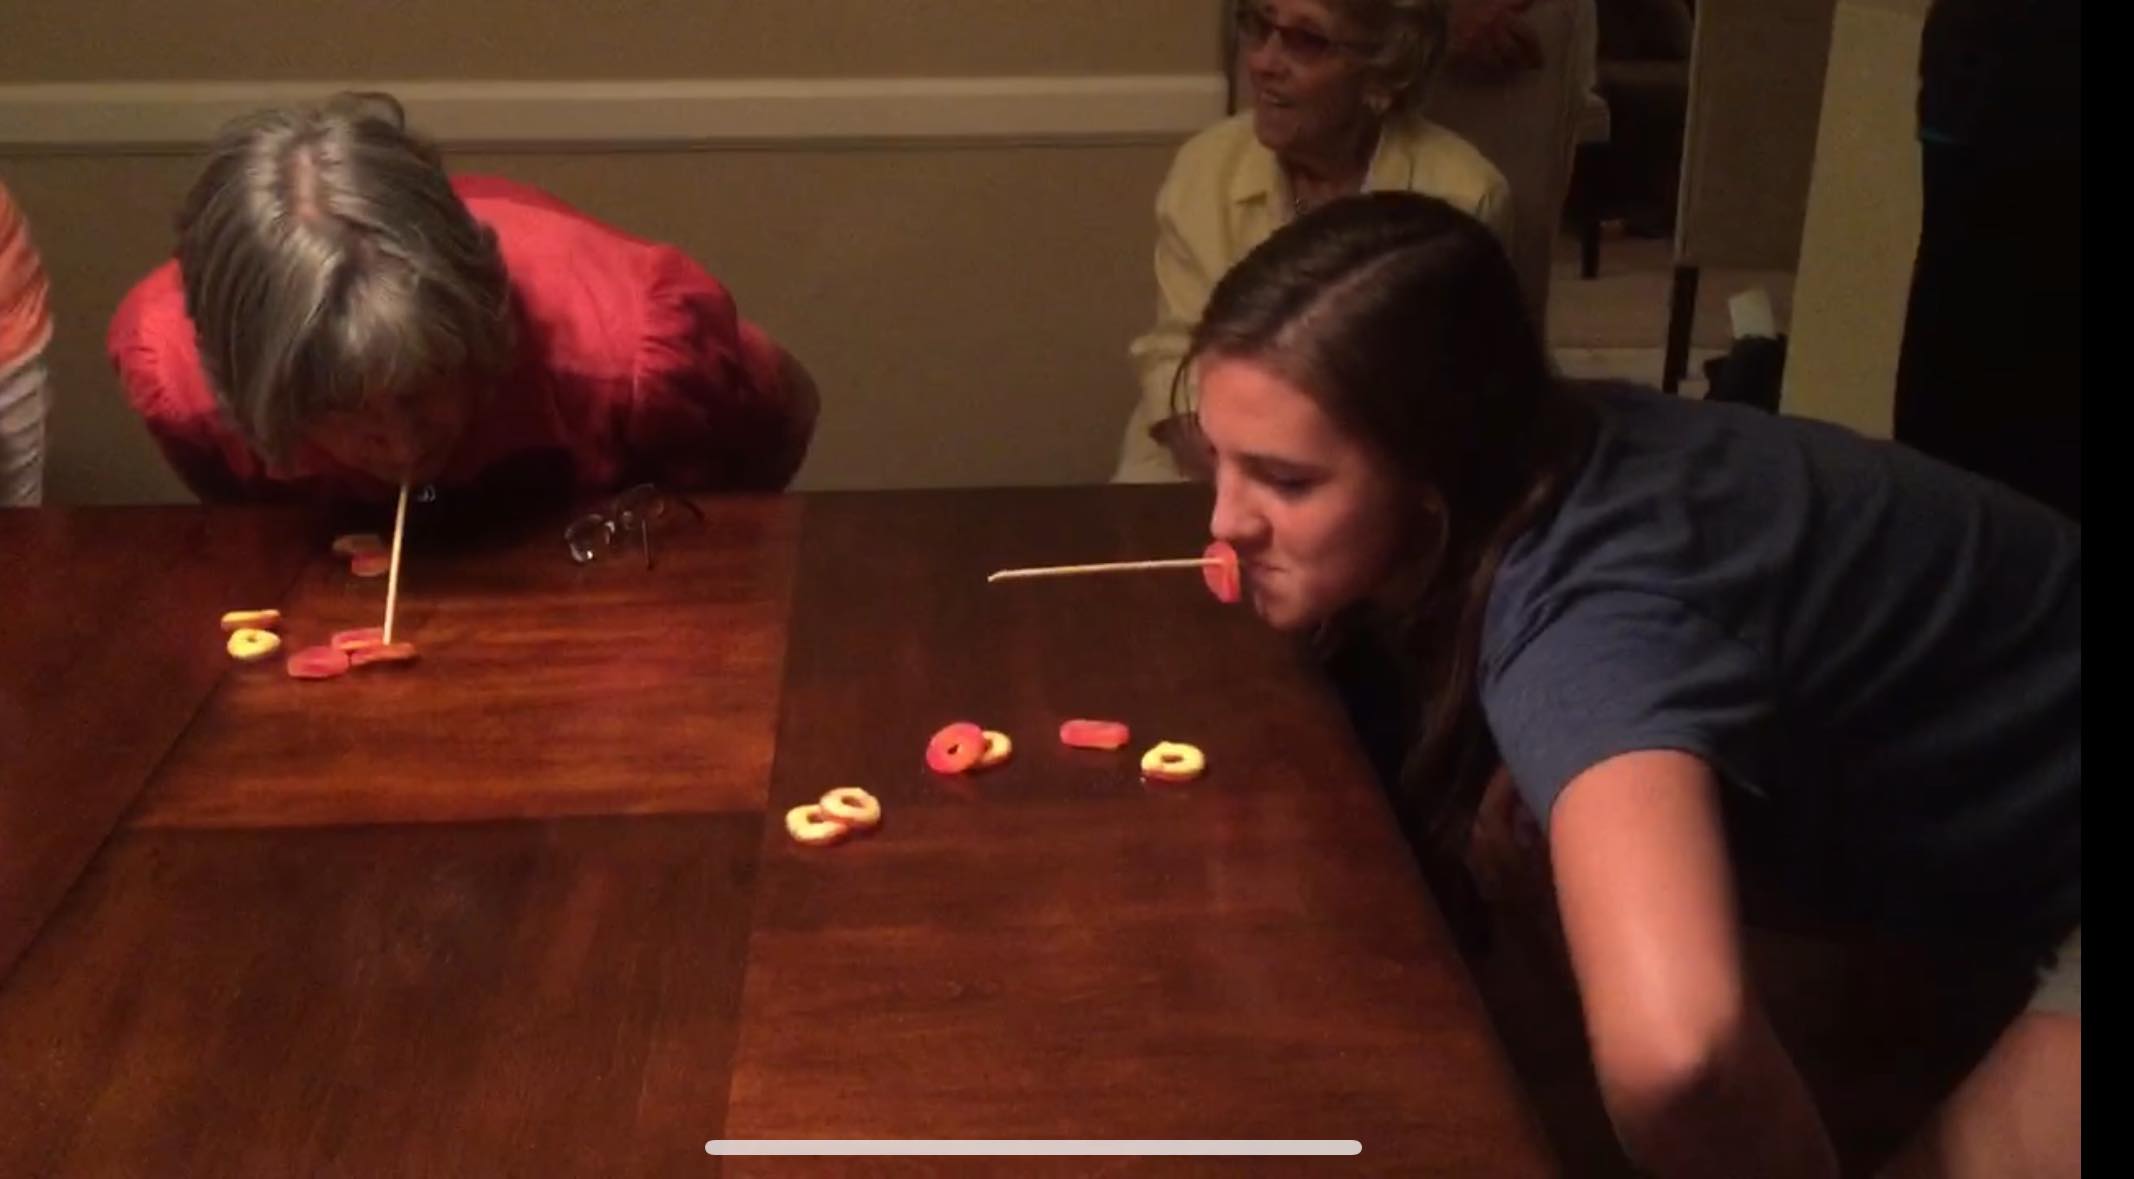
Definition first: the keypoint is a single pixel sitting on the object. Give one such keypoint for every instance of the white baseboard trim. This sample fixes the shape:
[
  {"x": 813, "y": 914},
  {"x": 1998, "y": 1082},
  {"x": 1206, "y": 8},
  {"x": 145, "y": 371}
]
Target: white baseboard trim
[{"x": 101, "y": 117}]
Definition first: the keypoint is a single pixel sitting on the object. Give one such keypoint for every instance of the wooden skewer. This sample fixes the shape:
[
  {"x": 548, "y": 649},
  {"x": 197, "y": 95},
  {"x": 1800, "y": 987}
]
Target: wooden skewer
[
  {"x": 1108, "y": 567},
  {"x": 392, "y": 573}
]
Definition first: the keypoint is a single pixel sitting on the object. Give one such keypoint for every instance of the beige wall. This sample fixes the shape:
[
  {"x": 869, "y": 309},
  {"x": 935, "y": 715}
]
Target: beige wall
[
  {"x": 1862, "y": 229},
  {"x": 965, "y": 310},
  {"x": 101, "y": 40},
  {"x": 100, "y": 224},
  {"x": 965, "y": 307},
  {"x": 1756, "y": 77}
]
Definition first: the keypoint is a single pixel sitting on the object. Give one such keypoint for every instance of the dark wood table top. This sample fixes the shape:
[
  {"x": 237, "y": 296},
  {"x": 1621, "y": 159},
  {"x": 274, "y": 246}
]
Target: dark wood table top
[
  {"x": 529, "y": 906},
  {"x": 594, "y": 689},
  {"x": 108, "y": 644}
]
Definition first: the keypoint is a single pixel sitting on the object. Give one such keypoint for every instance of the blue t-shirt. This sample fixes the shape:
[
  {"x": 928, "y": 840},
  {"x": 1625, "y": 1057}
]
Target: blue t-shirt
[{"x": 1880, "y": 655}]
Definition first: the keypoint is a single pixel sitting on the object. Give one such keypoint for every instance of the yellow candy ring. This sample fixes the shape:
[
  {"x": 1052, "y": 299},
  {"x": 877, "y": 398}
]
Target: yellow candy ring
[
  {"x": 852, "y": 806},
  {"x": 810, "y": 826},
  {"x": 1173, "y": 761},
  {"x": 251, "y": 620},
  {"x": 999, "y": 747},
  {"x": 249, "y": 644}
]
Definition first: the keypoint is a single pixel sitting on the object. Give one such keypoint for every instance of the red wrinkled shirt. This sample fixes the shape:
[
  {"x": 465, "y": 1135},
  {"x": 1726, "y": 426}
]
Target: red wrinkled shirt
[{"x": 632, "y": 365}]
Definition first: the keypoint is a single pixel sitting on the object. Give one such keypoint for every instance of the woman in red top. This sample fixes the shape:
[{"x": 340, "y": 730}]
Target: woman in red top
[{"x": 342, "y": 316}]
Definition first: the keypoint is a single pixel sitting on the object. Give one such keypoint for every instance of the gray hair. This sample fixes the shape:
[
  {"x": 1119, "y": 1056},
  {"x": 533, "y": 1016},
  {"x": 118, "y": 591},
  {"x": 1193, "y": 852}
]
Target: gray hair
[
  {"x": 1410, "y": 39},
  {"x": 327, "y": 260}
]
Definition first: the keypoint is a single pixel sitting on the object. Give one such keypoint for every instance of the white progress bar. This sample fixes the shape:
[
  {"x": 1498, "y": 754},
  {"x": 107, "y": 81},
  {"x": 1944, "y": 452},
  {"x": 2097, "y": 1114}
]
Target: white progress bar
[{"x": 1061, "y": 1147}]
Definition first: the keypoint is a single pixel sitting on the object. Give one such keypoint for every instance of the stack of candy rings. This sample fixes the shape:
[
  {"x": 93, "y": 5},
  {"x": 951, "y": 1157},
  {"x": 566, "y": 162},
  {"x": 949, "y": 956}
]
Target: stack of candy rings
[
  {"x": 837, "y": 815},
  {"x": 961, "y": 747},
  {"x": 366, "y": 552},
  {"x": 252, "y": 636}
]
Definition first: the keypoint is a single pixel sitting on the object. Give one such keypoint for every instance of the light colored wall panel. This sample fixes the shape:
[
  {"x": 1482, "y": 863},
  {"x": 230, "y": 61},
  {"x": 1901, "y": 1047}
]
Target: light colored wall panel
[
  {"x": 1862, "y": 229},
  {"x": 153, "y": 40}
]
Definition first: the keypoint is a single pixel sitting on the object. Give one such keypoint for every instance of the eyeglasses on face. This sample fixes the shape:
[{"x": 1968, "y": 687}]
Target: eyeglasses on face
[{"x": 1301, "y": 45}]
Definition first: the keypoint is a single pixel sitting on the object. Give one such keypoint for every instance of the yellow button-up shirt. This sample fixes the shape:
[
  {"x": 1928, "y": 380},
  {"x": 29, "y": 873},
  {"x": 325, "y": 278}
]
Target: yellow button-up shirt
[{"x": 1226, "y": 194}]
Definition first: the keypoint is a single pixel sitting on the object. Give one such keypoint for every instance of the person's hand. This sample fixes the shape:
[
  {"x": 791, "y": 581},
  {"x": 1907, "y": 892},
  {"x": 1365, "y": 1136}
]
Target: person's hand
[{"x": 1491, "y": 39}]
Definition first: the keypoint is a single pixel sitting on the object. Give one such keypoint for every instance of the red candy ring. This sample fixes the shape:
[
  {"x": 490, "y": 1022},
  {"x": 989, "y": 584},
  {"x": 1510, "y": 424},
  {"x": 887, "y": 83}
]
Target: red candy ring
[
  {"x": 382, "y": 653},
  {"x": 360, "y": 639},
  {"x": 370, "y": 564},
  {"x": 1222, "y": 577},
  {"x": 1094, "y": 734},
  {"x": 318, "y": 663},
  {"x": 955, "y": 748}
]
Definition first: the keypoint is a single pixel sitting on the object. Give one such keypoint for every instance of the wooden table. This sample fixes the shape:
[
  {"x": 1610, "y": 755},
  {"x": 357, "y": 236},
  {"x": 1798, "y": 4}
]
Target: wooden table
[{"x": 528, "y": 907}]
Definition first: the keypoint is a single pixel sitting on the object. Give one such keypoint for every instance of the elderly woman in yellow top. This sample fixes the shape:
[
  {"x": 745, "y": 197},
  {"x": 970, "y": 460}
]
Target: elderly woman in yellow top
[{"x": 1335, "y": 85}]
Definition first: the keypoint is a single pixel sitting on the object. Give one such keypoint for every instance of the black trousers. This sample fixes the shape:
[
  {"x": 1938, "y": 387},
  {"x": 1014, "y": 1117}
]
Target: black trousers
[{"x": 1990, "y": 376}]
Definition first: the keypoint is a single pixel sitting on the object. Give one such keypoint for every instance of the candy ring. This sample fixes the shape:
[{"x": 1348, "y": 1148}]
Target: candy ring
[
  {"x": 382, "y": 653},
  {"x": 251, "y": 620},
  {"x": 955, "y": 748},
  {"x": 1222, "y": 576},
  {"x": 317, "y": 663},
  {"x": 356, "y": 544},
  {"x": 1094, "y": 734},
  {"x": 1172, "y": 761},
  {"x": 999, "y": 747},
  {"x": 359, "y": 639},
  {"x": 250, "y": 644},
  {"x": 810, "y": 826},
  {"x": 853, "y": 807}
]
